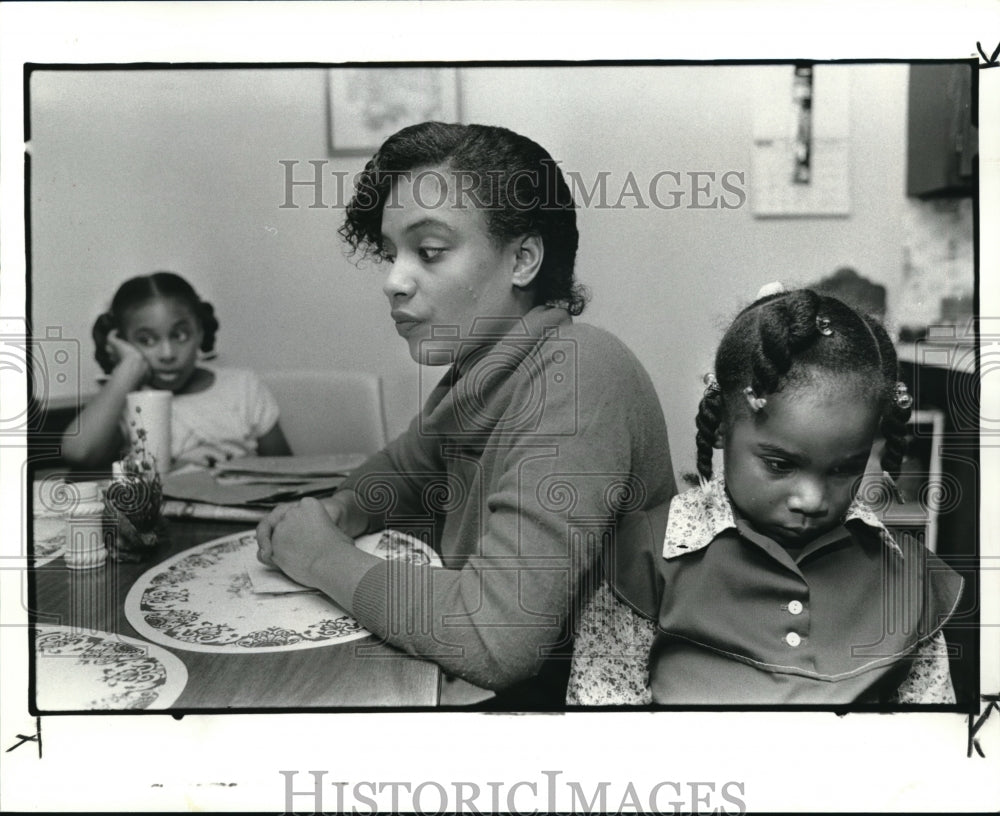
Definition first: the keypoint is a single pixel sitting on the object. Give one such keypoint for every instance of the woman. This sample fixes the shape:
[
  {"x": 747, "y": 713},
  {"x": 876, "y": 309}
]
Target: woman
[{"x": 541, "y": 434}]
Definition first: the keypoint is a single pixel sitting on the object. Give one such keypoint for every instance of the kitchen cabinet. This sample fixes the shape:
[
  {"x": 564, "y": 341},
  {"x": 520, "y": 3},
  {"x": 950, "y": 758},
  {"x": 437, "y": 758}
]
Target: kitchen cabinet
[{"x": 941, "y": 139}]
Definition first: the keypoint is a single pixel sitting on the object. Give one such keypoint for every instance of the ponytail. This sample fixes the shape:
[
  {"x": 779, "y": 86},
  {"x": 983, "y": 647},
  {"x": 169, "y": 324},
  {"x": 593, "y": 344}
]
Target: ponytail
[{"x": 103, "y": 326}]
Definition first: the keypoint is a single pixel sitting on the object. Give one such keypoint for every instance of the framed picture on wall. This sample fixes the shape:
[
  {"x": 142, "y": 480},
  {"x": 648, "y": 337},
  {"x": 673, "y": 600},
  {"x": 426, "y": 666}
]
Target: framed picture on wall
[{"x": 367, "y": 105}]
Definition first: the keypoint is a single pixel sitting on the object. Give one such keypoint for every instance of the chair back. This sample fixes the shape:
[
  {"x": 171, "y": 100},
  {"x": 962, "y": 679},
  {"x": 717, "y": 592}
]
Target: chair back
[{"x": 329, "y": 411}]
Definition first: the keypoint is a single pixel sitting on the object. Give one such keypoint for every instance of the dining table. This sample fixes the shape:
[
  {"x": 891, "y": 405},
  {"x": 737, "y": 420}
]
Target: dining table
[{"x": 363, "y": 673}]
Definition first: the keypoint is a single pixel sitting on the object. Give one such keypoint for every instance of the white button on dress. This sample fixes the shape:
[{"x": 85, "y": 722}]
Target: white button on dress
[
  {"x": 792, "y": 639},
  {"x": 795, "y": 607}
]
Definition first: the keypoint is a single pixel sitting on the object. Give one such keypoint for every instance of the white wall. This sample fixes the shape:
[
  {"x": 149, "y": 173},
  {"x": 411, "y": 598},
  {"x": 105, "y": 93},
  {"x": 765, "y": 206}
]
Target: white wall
[{"x": 141, "y": 170}]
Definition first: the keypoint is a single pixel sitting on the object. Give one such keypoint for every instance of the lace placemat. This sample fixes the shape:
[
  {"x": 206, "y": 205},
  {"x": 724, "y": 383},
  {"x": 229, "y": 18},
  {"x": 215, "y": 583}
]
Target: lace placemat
[
  {"x": 203, "y": 600},
  {"x": 49, "y": 539},
  {"x": 84, "y": 670}
]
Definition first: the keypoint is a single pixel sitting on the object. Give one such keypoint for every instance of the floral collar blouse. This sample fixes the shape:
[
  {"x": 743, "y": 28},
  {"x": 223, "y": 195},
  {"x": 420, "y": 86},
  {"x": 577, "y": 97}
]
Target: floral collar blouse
[{"x": 852, "y": 616}]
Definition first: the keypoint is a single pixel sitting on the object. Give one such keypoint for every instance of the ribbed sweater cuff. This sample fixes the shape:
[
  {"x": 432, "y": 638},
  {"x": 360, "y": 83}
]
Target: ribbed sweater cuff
[{"x": 369, "y": 602}]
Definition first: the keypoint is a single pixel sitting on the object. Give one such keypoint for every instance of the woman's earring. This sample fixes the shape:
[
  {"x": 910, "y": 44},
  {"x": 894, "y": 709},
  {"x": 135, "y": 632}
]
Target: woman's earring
[
  {"x": 823, "y": 326},
  {"x": 756, "y": 403}
]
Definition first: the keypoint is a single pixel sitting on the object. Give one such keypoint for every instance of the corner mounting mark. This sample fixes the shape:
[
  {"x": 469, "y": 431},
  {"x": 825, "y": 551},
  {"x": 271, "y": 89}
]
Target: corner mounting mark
[
  {"x": 991, "y": 60},
  {"x": 23, "y": 738},
  {"x": 991, "y": 700}
]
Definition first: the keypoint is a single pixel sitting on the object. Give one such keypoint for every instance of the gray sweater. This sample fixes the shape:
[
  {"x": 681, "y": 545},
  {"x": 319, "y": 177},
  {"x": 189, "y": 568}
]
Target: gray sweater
[{"x": 516, "y": 471}]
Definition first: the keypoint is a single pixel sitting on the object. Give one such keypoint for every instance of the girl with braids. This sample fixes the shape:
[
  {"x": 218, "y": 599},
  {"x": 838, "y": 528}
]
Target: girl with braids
[
  {"x": 150, "y": 338},
  {"x": 772, "y": 582}
]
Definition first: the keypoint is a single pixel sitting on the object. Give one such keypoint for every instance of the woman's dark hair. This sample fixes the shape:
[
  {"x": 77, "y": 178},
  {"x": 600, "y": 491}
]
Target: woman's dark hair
[
  {"x": 137, "y": 291},
  {"x": 513, "y": 180},
  {"x": 778, "y": 340}
]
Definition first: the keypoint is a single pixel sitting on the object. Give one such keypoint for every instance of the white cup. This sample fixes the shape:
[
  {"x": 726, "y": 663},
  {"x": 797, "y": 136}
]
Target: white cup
[
  {"x": 85, "y": 542},
  {"x": 150, "y": 411}
]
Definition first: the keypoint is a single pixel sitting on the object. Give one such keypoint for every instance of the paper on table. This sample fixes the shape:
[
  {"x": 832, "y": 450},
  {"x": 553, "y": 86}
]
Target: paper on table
[
  {"x": 173, "y": 508},
  {"x": 260, "y": 479},
  {"x": 316, "y": 466},
  {"x": 270, "y": 580},
  {"x": 202, "y": 486}
]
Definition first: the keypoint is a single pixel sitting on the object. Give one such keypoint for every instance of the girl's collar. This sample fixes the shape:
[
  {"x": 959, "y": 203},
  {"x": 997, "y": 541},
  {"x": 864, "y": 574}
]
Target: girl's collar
[{"x": 698, "y": 515}]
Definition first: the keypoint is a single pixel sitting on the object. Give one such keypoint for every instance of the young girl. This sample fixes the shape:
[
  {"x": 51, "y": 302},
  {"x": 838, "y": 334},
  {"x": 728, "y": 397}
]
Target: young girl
[
  {"x": 771, "y": 583},
  {"x": 150, "y": 338}
]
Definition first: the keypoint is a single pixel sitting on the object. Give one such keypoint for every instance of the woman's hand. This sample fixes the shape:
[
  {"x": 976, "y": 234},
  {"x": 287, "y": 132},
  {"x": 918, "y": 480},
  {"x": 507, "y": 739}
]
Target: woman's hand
[
  {"x": 265, "y": 530},
  {"x": 129, "y": 362},
  {"x": 338, "y": 511},
  {"x": 343, "y": 508},
  {"x": 293, "y": 536}
]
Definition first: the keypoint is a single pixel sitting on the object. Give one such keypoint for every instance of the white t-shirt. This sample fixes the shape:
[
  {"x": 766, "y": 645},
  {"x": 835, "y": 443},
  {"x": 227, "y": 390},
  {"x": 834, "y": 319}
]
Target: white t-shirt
[{"x": 222, "y": 422}]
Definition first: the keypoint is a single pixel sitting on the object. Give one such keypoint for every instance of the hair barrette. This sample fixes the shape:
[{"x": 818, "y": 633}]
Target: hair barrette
[
  {"x": 823, "y": 326},
  {"x": 756, "y": 403},
  {"x": 773, "y": 288},
  {"x": 711, "y": 383},
  {"x": 897, "y": 494},
  {"x": 706, "y": 485},
  {"x": 902, "y": 397}
]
